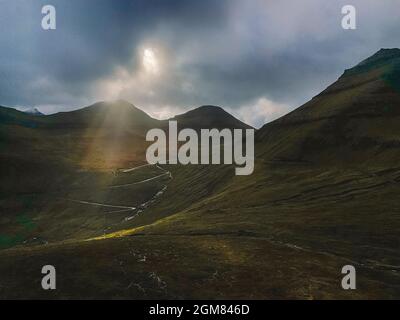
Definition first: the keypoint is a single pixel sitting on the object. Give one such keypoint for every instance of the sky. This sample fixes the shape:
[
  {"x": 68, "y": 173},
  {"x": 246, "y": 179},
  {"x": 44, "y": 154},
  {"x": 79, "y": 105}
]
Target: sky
[{"x": 258, "y": 59}]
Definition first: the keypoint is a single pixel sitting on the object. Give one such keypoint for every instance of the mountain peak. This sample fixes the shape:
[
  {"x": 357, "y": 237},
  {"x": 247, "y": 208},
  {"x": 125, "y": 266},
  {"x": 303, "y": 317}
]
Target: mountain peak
[
  {"x": 207, "y": 110},
  {"x": 115, "y": 108},
  {"x": 208, "y": 116},
  {"x": 388, "y": 52},
  {"x": 382, "y": 58},
  {"x": 113, "y": 104},
  {"x": 105, "y": 114},
  {"x": 383, "y": 55},
  {"x": 33, "y": 111},
  {"x": 210, "y": 108}
]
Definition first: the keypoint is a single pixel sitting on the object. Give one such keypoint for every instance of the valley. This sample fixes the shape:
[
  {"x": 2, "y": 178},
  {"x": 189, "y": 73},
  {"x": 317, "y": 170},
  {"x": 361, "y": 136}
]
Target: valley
[{"x": 77, "y": 193}]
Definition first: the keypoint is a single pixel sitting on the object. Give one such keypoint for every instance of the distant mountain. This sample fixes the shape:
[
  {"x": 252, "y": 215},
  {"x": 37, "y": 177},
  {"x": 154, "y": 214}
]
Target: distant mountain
[
  {"x": 355, "y": 119},
  {"x": 11, "y": 116},
  {"x": 103, "y": 136},
  {"x": 33, "y": 111},
  {"x": 209, "y": 117},
  {"x": 107, "y": 115}
]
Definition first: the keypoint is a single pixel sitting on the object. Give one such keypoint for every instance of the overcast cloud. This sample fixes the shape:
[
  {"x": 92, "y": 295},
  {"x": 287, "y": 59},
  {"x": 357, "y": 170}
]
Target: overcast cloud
[{"x": 256, "y": 58}]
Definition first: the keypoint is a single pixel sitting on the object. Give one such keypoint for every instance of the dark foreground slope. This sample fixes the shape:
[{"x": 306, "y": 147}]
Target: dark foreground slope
[{"x": 324, "y": 194}]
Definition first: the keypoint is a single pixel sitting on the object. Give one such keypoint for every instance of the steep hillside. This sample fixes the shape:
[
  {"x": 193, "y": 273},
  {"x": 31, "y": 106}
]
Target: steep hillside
[{"x": 353, "y": 121}]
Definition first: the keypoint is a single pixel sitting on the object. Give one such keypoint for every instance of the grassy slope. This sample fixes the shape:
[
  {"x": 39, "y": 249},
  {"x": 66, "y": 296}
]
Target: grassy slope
[{"x": 234, "y": 244}]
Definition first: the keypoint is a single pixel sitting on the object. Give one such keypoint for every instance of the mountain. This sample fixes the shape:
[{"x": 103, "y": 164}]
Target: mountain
[
  {"x": 106, "y": 115},
  {"x": 324, "y": 192},
  {"x": 78, "y": 154},
  {"x": 42, "y": 150},
  {"x": 354, "y": 119},
  {"x": 33, "y": 111},
  {"x": 48, "y": 150},
  {"x": 209, "y": 117}
]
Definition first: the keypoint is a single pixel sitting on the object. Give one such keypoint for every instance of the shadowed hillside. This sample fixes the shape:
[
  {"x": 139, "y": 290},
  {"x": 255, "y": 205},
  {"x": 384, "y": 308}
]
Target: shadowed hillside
[{"x": 353, "y": 121}]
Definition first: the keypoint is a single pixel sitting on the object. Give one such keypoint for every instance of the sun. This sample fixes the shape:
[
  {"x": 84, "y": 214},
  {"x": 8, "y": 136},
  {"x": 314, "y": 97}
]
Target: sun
[{"x": 150, "y": 62}]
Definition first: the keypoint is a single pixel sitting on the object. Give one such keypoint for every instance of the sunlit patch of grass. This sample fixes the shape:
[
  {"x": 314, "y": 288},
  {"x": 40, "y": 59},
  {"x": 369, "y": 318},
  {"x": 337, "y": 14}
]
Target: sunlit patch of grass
[{"x": 117, "y": 234}]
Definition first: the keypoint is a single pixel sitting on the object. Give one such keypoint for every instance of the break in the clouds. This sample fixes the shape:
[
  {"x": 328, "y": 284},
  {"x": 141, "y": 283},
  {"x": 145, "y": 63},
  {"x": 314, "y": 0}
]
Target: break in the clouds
[{"x": 257, "y": 58}]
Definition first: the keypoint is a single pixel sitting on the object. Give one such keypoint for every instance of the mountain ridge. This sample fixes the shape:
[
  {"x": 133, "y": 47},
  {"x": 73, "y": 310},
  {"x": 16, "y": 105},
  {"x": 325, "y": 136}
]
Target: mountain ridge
[
  {"x": 212, "y": 114},
  {"x": 348, "y": 116},
  {"x": 209, "y": 116},
  {"x": 34, "y": 111}
]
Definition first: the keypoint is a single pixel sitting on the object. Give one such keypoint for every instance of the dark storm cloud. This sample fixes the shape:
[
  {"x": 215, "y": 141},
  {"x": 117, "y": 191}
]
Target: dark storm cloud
[
  {"x": 92, "y": 37},
  {"x": 258, "y": 58}
]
